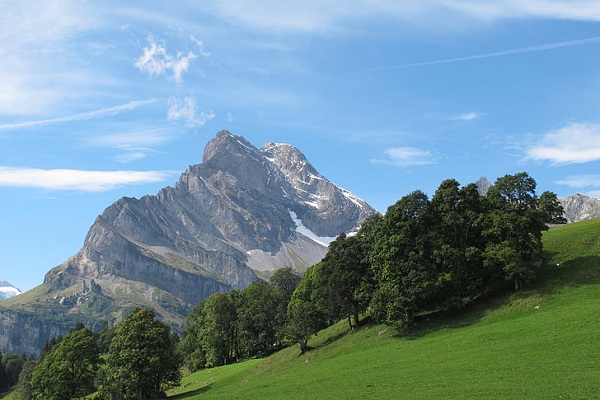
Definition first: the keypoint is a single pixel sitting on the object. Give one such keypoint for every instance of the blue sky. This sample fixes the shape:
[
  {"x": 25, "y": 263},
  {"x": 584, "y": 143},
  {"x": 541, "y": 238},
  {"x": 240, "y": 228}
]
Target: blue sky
[{"x": 100, "y": 100}]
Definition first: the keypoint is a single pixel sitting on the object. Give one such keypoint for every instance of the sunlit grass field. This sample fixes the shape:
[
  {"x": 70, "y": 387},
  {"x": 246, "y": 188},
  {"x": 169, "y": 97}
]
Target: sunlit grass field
[{"x": 539, "y": 343}]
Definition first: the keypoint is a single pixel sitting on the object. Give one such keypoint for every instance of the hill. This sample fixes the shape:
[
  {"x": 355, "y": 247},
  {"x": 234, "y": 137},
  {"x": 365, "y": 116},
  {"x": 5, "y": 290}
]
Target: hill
[
  {"x": 237, "y": 216},
  {"x": 538, "y": 343}
]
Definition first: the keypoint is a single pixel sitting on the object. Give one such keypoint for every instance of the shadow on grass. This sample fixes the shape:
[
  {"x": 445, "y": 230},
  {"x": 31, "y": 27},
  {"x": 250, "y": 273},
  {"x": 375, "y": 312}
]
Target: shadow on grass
[
  {"x": 191, "y": 393},
  {"x": 552, "y": 279}
]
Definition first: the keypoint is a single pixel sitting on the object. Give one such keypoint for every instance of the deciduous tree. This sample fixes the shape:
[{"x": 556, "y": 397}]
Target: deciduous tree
[
  {"x": 142, "y": 361},
  {"x": 68, "y": 371}
]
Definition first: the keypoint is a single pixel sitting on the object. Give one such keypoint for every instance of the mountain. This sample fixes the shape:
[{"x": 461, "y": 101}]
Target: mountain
[
  {"x": 483, "y": 185},
  {"x": 579, "y": 207},
  {"x": 8, "y": 290},
  {"x": 240, "y": 214}
]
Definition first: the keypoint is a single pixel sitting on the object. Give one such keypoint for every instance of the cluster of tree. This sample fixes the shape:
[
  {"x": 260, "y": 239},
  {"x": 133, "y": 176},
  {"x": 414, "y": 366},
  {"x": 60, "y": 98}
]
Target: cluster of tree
[
  {"x": 424, "y": 255},
  {"x": 141, "y": 362},
  {"x": 428, "y": 255},
  {"x": 227, "y": 327},
  {"x": 10, "y": 369}
]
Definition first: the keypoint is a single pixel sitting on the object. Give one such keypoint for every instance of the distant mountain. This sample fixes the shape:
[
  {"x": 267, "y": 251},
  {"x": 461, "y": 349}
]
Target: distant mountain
[
  {"x": 579, "y": 207},
  {"x": 483, "y": 185},
  {"x": 8, "y": 290},
  {"x": 242, "y": 213}
]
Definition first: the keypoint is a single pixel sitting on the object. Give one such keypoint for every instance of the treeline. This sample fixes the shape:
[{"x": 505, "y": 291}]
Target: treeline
[
  {"x": 137, "y": 359},
  {"x": 424, "y": 255}
]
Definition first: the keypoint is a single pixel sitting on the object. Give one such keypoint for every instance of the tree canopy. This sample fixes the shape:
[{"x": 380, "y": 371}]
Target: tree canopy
[{"x": 142, "y": 361}]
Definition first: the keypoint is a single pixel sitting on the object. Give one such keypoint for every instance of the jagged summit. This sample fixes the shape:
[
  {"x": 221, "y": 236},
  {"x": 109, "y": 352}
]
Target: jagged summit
[
  {"x": 242, "y": 212},
  {"x": 579, "y": 207}
]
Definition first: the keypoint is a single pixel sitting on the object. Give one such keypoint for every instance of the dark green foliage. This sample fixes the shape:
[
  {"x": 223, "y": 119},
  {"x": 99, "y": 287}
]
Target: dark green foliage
[
  {"x": 142, "y": 362},
  {"x": 68, "y": 370},
  {"x": 433, "y": 255},
  {"x": 305, "y": 315},
  {"x": 24, "y": 389},
  {"x": 402, "y": 260},
  {"x": 261, "y": 314},
  {"x": 551, "y": 208},
  {"x": 344, "y": 281},
  {"x": 10, "y": 369},
  {"x": 514, "y": 228},
  {"x": 227, "y": 327},
  {"x": 286, "y": 280}
]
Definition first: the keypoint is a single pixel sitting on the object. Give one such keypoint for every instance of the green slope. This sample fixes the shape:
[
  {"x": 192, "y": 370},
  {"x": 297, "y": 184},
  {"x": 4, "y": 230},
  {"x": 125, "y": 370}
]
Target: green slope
[{"x": 540, "y": 343}]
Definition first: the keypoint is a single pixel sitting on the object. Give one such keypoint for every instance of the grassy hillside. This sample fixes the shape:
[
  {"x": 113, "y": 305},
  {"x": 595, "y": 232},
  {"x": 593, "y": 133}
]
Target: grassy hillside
[{"x": 540, "y": 343}]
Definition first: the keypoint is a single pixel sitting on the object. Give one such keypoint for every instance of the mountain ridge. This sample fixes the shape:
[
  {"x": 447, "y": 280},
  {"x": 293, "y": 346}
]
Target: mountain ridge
[{"x": 242, "y": 212}]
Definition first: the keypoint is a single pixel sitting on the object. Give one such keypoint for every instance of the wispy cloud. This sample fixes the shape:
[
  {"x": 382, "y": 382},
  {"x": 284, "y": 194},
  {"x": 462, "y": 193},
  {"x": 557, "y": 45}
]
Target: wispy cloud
[
  {"x": 503, "y": 53},
  {"x": 134, "y": 144},
  {"x": 186, "y": 111},
  {"x": 156, "y": 60},
  {"x": 406, "y": 157},
  {"x": 319, "y": 16},
  {"x": 466, "y": 116},
  {"x": 574, "y": 143},
  {"x": 78, "y": 180},
  {"x": 103, "y": 112},
  {"x": 581, "y": 181}
]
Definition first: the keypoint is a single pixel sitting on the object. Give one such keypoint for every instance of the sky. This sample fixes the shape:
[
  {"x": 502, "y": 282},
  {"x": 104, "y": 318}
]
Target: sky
[{"x": 100, "y": 100}]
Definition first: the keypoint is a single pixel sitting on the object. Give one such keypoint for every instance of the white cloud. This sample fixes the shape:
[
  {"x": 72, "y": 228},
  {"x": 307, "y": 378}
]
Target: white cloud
[
  {"x": 80, "y": 180},
  {"x": 466, "y": 116},
  {"x": 584, "y": 10},
  {"x": 574, "y": 143},
  {"x": 103, "y": 112},
  {"x": 317, "y": 15},
  {"x": 406, "y": 157},
  {"x": 200, "y": 46},
  {"x": 157, "y": 61},
  {"x": 136, "y": 143},
  {"x": 37, "y": 44},
  {"x": 581, "y": 181},
  {"x": 186, "y": 111},
  {"x": 502, "y": 53}
]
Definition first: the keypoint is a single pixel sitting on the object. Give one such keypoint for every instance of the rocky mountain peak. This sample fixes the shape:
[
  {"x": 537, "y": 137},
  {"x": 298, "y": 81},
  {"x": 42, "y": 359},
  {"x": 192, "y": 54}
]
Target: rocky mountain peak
[
  {"x": 579, "y": 207},
  {"x": 483, "y": 185},
  {"x": 241, "y": 213}
]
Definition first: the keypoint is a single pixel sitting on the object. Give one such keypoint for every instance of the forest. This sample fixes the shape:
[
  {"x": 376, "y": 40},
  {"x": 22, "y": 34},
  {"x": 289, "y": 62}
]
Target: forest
[{"x": 423, "y": 256}]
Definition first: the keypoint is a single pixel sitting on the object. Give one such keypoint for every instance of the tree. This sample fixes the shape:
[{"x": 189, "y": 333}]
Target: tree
[
  {"x": 3, "y": 383},
  {"x": 456, "y": 216},
  {"x": 142, "y": 361},
  {"x": 12, "y": 365},
  {"x": 261, "y": 314},
  {"x": 190, "y": 347},
  {"x": 219, "y": 329},
  {"x": 24, "y": 390},
  {"x": 306, "y": 317},
  {"x": 514, "y": 228},
  {"x": 402, "y": 261},
  {"x": 69, "y": 369},
  {"x": 344, "y": 279},
  {"x": 286, "y": 280},
  {"x": 552, "y": 209}
]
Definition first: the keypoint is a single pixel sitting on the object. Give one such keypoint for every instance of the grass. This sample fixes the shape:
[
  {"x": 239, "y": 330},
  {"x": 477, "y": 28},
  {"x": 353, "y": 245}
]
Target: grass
[{"x": 539, "y": 343}]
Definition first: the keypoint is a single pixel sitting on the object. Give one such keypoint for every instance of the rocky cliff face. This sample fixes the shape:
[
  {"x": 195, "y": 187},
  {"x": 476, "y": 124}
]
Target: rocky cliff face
[
  {"x": 579, "y": 207},
  {"x": 240, "y": 211}
]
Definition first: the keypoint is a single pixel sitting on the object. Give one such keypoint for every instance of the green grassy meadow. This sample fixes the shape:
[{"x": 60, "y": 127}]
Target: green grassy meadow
[{"x": 542, "y": 342}]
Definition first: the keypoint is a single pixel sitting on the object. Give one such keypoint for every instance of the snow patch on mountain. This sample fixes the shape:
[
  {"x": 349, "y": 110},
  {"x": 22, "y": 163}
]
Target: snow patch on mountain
[
  {"x": 7, "y": 290},
  {"x": 303, "y": 230}
]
